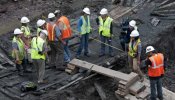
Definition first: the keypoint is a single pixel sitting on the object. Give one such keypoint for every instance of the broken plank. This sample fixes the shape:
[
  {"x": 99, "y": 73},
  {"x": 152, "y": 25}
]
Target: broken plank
[
  {"x": 69, "y": 84},
  {"x": 46, "y": 86},
  {"x": 100, "y": 91},
  {"x": 167, "y": 5},
  {"x": 9, "y": 94},
  {"x": 7, "y": 59},
  {"x": 80, "y": 63},
  {"x": 136, "y": 88}
]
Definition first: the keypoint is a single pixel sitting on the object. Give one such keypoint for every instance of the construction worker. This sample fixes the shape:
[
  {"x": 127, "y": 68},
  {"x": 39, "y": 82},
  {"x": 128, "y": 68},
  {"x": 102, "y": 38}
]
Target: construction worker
[
  {"x": 38, "y": 54},
  {"x": 105, "y": 31},
  {"x": 155, "y": 64},
  {"x": 26, "y": 39},
  {"x": 24, "y": 28},
  {"x": 54, "y": 41},
  {"x": 18, "y": 51},
  {"x": 66, "y": 33},
  {"x": 127, "y": 28},
  {"x": 123, "y": 34},
  {"x": 134, "y": 53},
  {"x": 41, "y": 24},
  {"x": 84, "y": 28}
]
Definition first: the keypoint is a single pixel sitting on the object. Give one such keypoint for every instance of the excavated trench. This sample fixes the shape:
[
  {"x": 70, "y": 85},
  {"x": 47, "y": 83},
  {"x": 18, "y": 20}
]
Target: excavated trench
[{"x": 85, "y": 90}]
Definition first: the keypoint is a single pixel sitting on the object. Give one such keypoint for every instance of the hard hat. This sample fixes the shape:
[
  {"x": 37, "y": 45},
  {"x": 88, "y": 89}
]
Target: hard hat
[
  {"x": 17, "y": 31},
  {"x": 51, "y": 15},
  {"x": 134, "y": 33},
  {"x": 40, "y": 22},
  {"x": 45, "y": 32},
  {"x": 57, "y": 11},
  {"x": 132, "y": 23},
  {"x": 86, "y": 10},
  {"x": 149, "y": 49},
  {"x": 24, "y": 20},
  {"x": 104, "y": 11}
]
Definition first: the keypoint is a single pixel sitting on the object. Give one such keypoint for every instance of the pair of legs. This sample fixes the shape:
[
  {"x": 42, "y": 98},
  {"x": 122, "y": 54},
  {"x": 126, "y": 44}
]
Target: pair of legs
[
  {"x": 39, "y": 64},
  {"x": 83, "y": 44},
  {"x": 67, "y": 54},
  {"x": 56, "y": 53},
  {"x": 109, "y": 42},
  {"x": 19, "y": 69},
  {"x": 133, "y": 64},
  {"x": 156, "y": 86}
]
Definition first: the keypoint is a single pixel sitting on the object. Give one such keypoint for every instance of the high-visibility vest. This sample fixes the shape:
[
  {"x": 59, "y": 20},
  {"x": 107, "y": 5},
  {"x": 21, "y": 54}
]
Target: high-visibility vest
[
  {"x": 21, "y": 49},
  {"x": 133, "y": 49},
  {"x": 25, "y": 30},
  {"x": 51, "y": 31},
  {"x": 38, "y": 31},
  {"x": 157, "y": 68},
  {"x": 85, "y": 28},
  {"x": 105, "y": 27},
  {"x": 66, "y": 31},
  {"x": 36, "y": 46}
]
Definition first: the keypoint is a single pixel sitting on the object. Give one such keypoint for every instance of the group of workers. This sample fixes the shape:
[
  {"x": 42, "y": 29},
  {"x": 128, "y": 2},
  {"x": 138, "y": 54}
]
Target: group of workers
[{"x": 52, "y": 39}]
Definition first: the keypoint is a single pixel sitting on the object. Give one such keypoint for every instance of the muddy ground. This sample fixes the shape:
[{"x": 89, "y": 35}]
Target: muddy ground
[{"x": 162, "y": 37}]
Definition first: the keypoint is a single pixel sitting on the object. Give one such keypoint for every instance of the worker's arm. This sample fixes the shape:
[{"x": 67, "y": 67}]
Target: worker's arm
[
  {"x": 80, "y": 23},
  {"x": 45, "y": 48},
  {"x": 148, "y": 62},
  {"x": 111, "y": 29},
  {"x": 58, "y": 34},
  {"x": 15, "y": 50}
]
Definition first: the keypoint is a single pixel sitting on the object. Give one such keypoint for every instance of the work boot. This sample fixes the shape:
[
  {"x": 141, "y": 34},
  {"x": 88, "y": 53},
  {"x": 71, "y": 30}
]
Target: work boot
[
  {"x": 42, "y": 82},
  {"x": 77, "y": 56},
  {"x": 87, "y": 55}
]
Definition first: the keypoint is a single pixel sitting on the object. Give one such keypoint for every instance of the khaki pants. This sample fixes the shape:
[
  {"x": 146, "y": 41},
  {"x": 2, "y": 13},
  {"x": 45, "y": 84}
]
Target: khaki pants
[
  {"x": 134, "y": 65},
  {"x": 39, "y": 64},
  {"x": 56, "y": 54}
]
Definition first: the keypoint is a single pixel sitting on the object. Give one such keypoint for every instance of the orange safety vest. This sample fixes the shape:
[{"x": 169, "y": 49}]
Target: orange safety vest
[
  {"x": 66, "y": 32},
  {"x": 51, "y": 31},
  {"x": 157, "y": 68}
]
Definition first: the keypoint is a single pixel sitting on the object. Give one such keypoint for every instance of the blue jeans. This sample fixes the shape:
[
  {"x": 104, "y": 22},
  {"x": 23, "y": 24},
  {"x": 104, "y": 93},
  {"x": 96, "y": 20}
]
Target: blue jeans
[
  {"x": 83, "y": 44},
  {"x": 156, "y": 84},
  {"x": 67, "y": 55},
  {"x": 109, "y": 42}
]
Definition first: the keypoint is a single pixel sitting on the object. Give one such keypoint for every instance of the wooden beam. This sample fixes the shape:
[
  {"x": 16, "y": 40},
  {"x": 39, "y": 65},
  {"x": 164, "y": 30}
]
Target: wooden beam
[
  {"x": 99, "y": 69},
  {"x": 167, "y": 5},
  {"x": 100, "y": 91}
]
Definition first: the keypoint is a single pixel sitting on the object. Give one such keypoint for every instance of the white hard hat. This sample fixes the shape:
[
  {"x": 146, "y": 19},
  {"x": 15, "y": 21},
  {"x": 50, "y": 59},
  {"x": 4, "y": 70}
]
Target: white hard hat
[
  {"x": 57, "y": 11},
  {"x": 24, "y": 20},
  {"x": 45, "y": 32},
  {"x": 104, "y": 11},
  {"x": 40, "y": 22},
  {"x": 17, "y": 31},
  {"x": 51, "y": 15},
  {"x": 149, "y": 49},
  {"x": 86, "y": 10},
  {"x": 132, "y": 23},
  {"x": 134, "y": 33}
]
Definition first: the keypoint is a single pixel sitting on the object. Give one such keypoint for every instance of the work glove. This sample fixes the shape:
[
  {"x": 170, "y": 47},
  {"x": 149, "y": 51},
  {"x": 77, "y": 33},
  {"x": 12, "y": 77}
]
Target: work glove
[{"x": 18, "y": 62}]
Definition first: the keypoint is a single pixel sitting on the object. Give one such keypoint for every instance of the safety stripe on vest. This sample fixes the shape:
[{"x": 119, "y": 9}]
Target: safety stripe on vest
[
  {"x": 53, "y": 29},
  {"x": 154, "y": 63}
]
